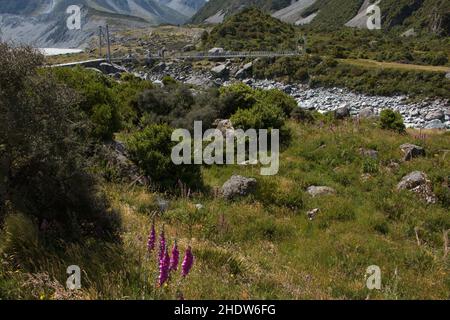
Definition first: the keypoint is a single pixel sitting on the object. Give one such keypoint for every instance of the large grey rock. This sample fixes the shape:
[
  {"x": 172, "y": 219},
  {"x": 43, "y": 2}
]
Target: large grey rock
[
  {"x": 342, "y": 112},
  {"x": 418, "y": 183},
  {"x": 200, "y": 81},
  {"x": 435, "y": 124},
  {"x": 238, "y": 186},
  {"x": 316, "y": 191},
  {"x": 245, "y": 71},
  {"x": 220, "y": 70},
  {"x": 216, "y": 51},
  {"x": 435, "y": 115},
  {"x": 412, "y": 151}
]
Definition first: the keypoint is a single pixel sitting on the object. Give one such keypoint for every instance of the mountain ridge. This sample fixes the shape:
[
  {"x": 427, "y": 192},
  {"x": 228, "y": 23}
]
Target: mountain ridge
[
  {"x": 43, "y": 22},
  {"x": 429, "y": 15}
]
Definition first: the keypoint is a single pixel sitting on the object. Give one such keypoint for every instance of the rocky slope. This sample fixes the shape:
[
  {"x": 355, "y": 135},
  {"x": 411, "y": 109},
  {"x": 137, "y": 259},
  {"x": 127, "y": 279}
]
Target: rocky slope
[{"x": 43, "y": 22}]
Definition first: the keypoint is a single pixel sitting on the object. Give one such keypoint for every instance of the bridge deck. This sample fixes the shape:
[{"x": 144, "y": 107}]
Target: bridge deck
[{"x": 237, "y": 54}]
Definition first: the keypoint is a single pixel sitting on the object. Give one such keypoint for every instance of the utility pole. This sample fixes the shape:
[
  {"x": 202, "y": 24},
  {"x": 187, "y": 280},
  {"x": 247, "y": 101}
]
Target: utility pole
[{"x": 109, "y": 44}]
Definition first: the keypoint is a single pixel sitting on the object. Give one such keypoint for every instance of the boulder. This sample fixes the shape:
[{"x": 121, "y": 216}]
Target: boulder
[
  {"x": 216, "y": 51},
  {"x": 238, "y": 186},
  {"x": 418, "y": 183},
  {"x": 435, "y": 124},
  {"x": 342, "y": 112},
  {"x": 245, "y": 71},
  {"x": 411, "y": 151},
  {"x": 447, "y": 75},
  {"x": 435, "y": 115},
  {"x": 316, "y": 191},
  {"x": 220, "y": 71},
  {"x": 200, "y": 81}
]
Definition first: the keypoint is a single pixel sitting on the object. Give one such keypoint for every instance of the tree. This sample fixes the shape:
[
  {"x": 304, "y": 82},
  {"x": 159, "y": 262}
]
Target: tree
[{"x": 43, "y": 137}]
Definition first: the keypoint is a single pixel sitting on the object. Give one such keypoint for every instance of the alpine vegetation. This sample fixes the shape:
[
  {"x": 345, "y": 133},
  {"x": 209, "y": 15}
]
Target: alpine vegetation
[{"x": 229, "y": 147}]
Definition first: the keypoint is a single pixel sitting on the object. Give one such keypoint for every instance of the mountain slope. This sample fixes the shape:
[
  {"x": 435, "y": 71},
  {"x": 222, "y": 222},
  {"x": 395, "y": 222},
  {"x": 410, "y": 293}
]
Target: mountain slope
[
  {"x": 429, "y": 15},
  {"x": 43, "y": 22}
]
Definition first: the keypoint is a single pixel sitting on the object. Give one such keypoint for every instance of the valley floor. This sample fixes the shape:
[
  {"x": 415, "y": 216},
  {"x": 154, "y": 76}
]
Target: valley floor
[{"x": 264, "y": 246}]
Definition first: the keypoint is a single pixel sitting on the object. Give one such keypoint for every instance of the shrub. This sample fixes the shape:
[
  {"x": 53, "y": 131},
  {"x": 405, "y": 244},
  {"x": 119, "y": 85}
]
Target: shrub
[
  {"x": 261, "y": 116},
  {"x": 151, "y": 149},
  {"x": 392, "y": 120},
  {"x": 168, "y": 80},
  {"x": 234, "y": 97},
  {"x": 277, "y": 99}
]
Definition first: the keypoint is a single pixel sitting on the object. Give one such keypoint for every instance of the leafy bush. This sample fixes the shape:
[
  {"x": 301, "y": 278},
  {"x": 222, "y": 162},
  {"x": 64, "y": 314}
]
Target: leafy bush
[
  {"x": 392, "y": 120},
  {"x": 151, "y": 149}
]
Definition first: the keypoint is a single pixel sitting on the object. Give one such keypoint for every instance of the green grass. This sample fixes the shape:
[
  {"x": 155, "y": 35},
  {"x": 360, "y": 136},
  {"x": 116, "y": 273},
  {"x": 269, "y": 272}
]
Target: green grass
[{"x": 263, "y": 247}]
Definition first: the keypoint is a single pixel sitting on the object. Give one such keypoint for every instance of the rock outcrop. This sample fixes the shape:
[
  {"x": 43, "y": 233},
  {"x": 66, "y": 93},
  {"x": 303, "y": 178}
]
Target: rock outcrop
[{"x": 418, "y": 183}]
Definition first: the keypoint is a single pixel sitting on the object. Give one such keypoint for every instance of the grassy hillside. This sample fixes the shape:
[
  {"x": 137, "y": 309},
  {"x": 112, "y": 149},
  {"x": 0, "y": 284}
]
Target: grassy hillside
[
  {"x": 252, "y": 29},
  {"x": 264, "y": 247},
  {"x": 230, "y": 7}
]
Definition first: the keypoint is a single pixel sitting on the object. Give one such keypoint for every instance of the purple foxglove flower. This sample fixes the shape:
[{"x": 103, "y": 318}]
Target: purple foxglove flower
[
  {"x": 164, "y": 269},
  {"x": 152, "y": 239},
  {"x": 174, "y": 260},
  {"x": 162, "y": 245},
  {"x": 187, "y": 262}
]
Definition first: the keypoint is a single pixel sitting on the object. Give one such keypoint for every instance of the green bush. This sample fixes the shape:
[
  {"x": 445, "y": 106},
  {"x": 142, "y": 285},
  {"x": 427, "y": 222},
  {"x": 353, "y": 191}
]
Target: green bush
[
  {"x": 151, "y": 149},
  {"x": 234, "y": 97},
  {"x": 277, "y": 99},
  {"x": 392, "y": 120}
]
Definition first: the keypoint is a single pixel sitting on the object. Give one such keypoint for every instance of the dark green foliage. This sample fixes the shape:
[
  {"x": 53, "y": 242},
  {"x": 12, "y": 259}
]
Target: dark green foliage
[
  {"x": 392, "y": 120},
  {"x": 177, "y": 106},
  {"x": 252, "y": 29},
  {"x": 329, "y": 73},
  {"x": 234, "y": 97},
  {"x": 151, "y": 149},
  {"x": 278, "y": 99},
  {"x": 44, "y": 166}
]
